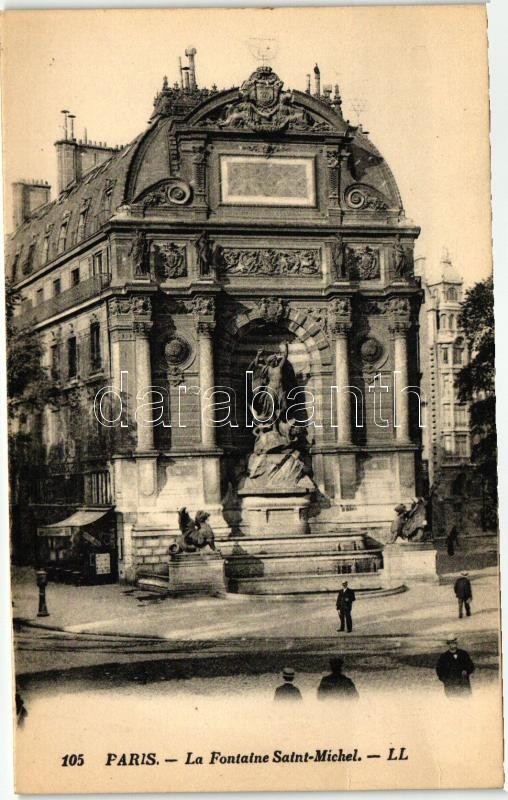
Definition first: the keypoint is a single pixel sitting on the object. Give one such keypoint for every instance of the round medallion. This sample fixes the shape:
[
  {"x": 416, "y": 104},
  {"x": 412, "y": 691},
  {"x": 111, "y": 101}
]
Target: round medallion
[
  {"x": 371, "y": 350},
  {"x": 177, "y": 350}
]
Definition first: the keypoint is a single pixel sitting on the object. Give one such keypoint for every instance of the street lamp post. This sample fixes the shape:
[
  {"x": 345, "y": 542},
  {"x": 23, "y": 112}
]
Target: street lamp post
[{"x": 42, "y": 581}]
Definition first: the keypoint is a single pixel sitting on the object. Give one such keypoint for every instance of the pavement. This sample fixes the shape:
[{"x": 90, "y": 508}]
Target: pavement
[{"x": 112, "y": 609}]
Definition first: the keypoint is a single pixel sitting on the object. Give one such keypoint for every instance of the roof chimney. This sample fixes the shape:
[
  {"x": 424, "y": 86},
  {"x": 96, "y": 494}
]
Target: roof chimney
[
  {"x": 27, "y": 197},
  {"x": 308, "y": 84},
  {"x": 186, "y": 81},
  {"x": 190, "y": 53},
  {"x": 317, "y": 82}
]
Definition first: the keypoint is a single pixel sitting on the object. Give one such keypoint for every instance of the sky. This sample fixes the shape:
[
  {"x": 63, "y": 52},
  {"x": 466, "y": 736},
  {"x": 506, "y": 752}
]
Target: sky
[{"x": 415, "y": 77}]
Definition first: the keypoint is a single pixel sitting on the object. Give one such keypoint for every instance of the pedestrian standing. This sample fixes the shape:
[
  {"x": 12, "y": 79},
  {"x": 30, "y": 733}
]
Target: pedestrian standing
[
  {"x": 336, "y": 685},
  {"x": 345, "y": 600},
  {"x": 454, "y": 668},
  {"x": 287, "y": 691},
  {"x": 463, "y": 593}
]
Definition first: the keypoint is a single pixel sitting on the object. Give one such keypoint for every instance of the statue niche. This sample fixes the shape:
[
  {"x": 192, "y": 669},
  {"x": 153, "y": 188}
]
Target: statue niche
[
  {"x": 277, "y": 459},
  {"x": 276, "y": 487}
]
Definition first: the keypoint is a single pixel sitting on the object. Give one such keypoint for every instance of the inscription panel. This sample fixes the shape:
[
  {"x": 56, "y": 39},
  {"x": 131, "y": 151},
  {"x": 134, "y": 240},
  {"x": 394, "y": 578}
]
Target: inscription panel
[{"x": 256, "y": 180}]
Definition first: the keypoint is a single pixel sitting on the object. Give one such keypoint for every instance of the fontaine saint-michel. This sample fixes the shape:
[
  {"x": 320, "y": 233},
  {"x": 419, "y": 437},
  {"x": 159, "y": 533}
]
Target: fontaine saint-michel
[{"x": 253, "y": 231}]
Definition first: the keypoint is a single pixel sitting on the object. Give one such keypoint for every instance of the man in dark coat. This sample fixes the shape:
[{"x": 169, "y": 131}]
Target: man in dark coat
[
  {"x": 336, "y": 686},
  {"x": 287, "y": 691},
  {"x": 345, "y": 600},
  {"x": 463, "y": 593},
  {"x": 454, "y": 668}
]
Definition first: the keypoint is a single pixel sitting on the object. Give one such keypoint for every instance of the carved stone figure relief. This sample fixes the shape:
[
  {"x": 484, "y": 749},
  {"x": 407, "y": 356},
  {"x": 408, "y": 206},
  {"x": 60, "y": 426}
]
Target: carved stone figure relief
[
  {"x": 263, "y": 105},
  {"x": 139, "y": 254},
  {"x": 401, "y": 259},
  {"x": 271, "y": 309},
  {"x": 271, "y": 262}
]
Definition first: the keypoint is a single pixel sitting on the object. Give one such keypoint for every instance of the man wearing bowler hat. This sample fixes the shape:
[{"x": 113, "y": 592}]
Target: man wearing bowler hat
[
  {"x": 287, "y": 691},
  {"x": 454, "y": 668},
  {"x": 345, "y": 600}
]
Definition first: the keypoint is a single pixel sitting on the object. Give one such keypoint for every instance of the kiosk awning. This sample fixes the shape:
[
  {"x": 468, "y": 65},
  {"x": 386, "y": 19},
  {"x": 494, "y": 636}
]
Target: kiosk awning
[{"x": 79, "y": 519}]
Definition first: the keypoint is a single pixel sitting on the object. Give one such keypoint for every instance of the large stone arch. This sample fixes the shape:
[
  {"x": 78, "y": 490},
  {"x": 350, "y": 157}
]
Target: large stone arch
[{"x": 307, "y": 326}]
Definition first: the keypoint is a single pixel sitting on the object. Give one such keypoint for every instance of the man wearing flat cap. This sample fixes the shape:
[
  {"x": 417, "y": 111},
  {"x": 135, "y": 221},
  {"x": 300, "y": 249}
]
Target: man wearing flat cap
[
  {"x": 336, "y": 686},
  {"x": 463, "y": 593},
  {"x": 454, "y": 668},
  {"x": 345, "y": 599},
  {"x": 287, "y": 691}
]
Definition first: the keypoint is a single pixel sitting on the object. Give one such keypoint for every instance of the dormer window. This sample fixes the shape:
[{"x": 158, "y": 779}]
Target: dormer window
[
  {"x": 82, "y": 222},
  {"x": 451, "y": 294},
  {"x": 62, "y": 236},
  {"x": 15, "y": 266},
  {"x": 29, "y": 260}
]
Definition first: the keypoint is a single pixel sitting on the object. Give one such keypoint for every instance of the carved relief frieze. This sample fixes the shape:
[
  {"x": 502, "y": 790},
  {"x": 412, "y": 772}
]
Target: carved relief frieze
[{"x": 271, "y": 261}]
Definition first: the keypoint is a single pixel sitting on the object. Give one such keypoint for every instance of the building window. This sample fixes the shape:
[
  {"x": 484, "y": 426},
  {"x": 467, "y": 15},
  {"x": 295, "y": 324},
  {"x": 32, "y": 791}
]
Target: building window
[
  {"x": 97, "y": 264},
  {"x": 444, "y": 355},
  {"x": 461, "y": 445},
  {"x": 75, "y": 276},
  {"x": 45, "y": 248},
  {"x": 39, "y": 296},
  {"x": 461, "y": 415},
  {"x": 451, "y": 294},
  {"x": 14, "y": 267},
  {"x": 62, "y": 236},
  {"x": 452, "y": 321},
  {"x": 72, "y": 357},
  {"x": 29, "y": 260},
  {"x": 55, "y": 361},
  {"x": 443, "y": 321},
  {"x": 83, "y": 215},
  {"x": 95, "y": 345},
  {"x": 446, "y": 417},
  {"x": 458, "y": 351},
  {"x": 57, "y": 287}
]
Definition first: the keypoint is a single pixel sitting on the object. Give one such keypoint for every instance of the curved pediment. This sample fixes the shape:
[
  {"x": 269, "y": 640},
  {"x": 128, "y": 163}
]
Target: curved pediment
[{"x": 261, "y": 104}]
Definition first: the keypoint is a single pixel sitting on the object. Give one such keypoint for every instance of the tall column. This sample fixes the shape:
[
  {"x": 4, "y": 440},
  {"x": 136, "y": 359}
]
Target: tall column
[
  {"x": 399, "y": 328},
  {"x": 206, "y": 380},
  {"x": 145, "y": 438},
  {"x": 344, "y": 397},
  {"x": 339, "y": 319}
]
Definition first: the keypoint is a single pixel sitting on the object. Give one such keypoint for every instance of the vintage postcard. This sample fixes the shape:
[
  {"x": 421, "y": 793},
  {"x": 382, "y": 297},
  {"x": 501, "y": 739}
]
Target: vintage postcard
[{"x": 250, "y": 373}]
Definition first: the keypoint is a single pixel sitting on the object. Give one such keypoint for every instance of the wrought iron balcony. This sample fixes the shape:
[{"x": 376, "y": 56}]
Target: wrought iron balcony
[{"x": 85, "y": 290}]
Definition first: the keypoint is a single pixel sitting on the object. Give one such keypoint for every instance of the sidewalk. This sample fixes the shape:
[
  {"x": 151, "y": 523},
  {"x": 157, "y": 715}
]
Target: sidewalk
[{"x": 423, "y": 611}]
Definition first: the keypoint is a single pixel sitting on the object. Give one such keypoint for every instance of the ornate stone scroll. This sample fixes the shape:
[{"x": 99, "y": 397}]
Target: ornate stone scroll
[
  {"x": 361, "y": 197},
  {"x": 270, "y": 261}
]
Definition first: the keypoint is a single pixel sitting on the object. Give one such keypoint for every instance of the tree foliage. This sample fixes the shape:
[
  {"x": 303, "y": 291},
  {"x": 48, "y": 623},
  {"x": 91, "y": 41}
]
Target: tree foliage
[
  {"x": 476, "y": 382},
  {"x": 27, "y": 378}
]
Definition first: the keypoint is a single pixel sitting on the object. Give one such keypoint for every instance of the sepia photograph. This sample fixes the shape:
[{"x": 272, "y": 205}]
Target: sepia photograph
[{"x": 252, "y": 449}]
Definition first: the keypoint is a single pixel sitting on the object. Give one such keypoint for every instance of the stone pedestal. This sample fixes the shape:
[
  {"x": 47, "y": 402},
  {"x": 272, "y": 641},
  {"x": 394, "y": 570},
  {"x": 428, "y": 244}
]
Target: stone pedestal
[
  {"x": 409, "y": 563},
  {"x": 276, "y": 512},
  {"x": 197, "y": 573}
]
